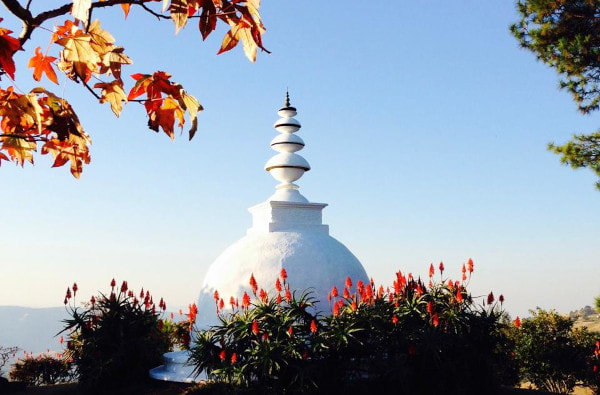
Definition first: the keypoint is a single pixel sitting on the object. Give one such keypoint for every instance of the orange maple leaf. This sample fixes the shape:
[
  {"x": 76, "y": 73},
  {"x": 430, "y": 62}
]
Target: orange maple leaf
[
  {"x": 41, "y": 63},
  {"x": 8, "y": 46}
]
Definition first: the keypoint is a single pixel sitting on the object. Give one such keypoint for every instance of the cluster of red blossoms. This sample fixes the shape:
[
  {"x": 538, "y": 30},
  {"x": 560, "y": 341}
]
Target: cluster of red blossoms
[
  {"x": 280, "y": 284},
  {"x": 145, "y": 299}
]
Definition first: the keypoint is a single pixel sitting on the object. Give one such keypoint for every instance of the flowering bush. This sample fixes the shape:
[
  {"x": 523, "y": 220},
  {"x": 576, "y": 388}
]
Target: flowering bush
[
  {"x": 44, "y": 369},
  {"x": 115, "y": 339},
  {"x": 413, "y": 337}
]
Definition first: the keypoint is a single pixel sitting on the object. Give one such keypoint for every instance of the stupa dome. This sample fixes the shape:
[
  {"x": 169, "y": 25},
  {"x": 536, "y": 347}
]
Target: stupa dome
[{"x": 287, "y": 232}]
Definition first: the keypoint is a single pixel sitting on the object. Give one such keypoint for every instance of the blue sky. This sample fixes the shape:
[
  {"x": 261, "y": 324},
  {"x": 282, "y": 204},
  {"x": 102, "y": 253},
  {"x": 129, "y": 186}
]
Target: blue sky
[{"x": 425, "y": 126}]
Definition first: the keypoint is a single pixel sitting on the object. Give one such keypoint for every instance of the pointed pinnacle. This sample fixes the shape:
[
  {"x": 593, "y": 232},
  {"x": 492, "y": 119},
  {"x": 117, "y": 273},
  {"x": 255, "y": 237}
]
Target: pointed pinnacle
[{"x": 287, "y": 98}]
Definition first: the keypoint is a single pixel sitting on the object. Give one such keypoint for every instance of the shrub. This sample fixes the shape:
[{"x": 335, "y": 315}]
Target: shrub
[
  {"x": 552, "y": 354},
  {"x": 42, "y": 370},
  {"x": 115, "y": 339},
  {"x": 414, "y": 338},
  {"x": 5, "y": 354}
]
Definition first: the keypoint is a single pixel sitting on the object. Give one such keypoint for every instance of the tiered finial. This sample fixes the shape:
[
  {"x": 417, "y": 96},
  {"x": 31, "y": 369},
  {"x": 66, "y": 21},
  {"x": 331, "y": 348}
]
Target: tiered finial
[{"x": 287, "y": 166}]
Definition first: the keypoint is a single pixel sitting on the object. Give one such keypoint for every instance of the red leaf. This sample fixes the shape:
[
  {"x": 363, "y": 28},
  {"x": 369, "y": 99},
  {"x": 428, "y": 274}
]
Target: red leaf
[
  {"x": 8, "y": 46},
  {"x": 42, "y": 64}
]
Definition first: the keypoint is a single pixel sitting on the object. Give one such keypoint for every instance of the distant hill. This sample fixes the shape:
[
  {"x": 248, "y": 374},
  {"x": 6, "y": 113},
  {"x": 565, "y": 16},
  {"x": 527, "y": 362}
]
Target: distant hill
[
  {"x": 588, "y": 317},
  {"x": 31, "y": 329}
]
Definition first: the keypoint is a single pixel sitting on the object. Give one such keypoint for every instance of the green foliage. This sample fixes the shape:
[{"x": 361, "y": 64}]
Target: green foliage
[
  {"x": 115, "y": 339},
  {"x": 417, "y": 338},
  {"x": 42, "y": 370},
  {"x": 566, "y": 36},
  {"x": 582, "y": 151},
  {"x": 551, "y": 353}
]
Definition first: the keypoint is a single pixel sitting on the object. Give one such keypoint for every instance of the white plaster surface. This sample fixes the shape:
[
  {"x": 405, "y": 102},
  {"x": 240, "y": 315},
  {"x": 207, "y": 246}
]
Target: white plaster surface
[{"x": 284, "y": 235}]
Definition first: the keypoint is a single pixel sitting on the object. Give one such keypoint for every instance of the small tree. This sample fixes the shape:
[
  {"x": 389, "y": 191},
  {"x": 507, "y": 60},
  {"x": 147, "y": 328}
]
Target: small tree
[
  {"x": 5, "y": 354},
  {"x": 42, "y": 370},
  {"x": 115, "y": 339},
  {"x": 551, "y": 353}
]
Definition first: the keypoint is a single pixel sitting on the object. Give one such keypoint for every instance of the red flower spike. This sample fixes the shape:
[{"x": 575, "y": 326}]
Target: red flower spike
[
  {"x": 470, "y": 266},
  {"x": 490, "y": 298},
  {"x": 142, "y": 293},
  {"x": 233, "y": 358},
  {"x": 61, "y": 340},
  {"x": 430, "y": 307},
  {"x": 278, "y": 298},
  {"x": 501, "y": 299},
  {"x": 354, "y": 307},
  {"x": 459, "y": 297},
  {"x": 419, "y": 290},
  {"x": 232, "y": 301},
  {"x": 263, "y": 295},
  {"x": 346, "y": 293},
  {"x": 245, "y": 300},
  {"x": 360, "y": 287},
  {"x": 288, "y": 295},
  {"x": 290, "y": 331},
  {"x": 395, "y": 319},
  {"x": 431, "y": 270},
  {"x": 124, "y": 287},
  {"x": 253, "y": 283},
  {"x": 329, "y": 296},
  {"x": 464, "y": 269},
  {"x": 464, "y": 277},
  {"x": 313, "y": 326},
  {"x": 172, "y": 316},
  {"x": 278, "y": 285},
  {"x": 68, "y": 295},
  {"x": 336, "y": 310},
  {"x": 265, "y": 337},
  {"x": 334, "y": 292},
  {"x": 517, "y": 322},
  {"x": 255, "y": 327},
  {"x": 348, "y": 283},
  {"x": 75, "y": 288},
  {"x": 450, "y": 285},
  {"x": 113, "y": 283},
  {"x": 380, "y": 292},
  {"x": 216, "y": 296},
  {"x": 283, "y": 274},
  {"x": 441, "y": 267},
  {"x": 223, "y": 356},
  {"x": 435, "y": 321},
  {"x": 221, "y": 304}
]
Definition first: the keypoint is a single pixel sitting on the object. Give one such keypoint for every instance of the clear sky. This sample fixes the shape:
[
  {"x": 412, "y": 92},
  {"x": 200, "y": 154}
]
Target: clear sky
[{"x": 425, "y": 126}]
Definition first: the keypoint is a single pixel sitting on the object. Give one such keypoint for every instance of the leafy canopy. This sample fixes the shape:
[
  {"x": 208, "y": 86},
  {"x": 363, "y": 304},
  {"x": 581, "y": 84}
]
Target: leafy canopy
[
  {"x": 82, "y": 50},
  {"x": 565, "y": 34}
]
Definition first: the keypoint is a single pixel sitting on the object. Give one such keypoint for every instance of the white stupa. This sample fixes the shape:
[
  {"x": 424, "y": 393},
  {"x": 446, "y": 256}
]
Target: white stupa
[{"x": 287, "y": 232}]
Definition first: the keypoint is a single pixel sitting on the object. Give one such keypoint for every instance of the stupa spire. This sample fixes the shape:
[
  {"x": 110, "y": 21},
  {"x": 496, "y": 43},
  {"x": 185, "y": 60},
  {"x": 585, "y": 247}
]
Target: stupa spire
[{"x": 287, "y": 166}]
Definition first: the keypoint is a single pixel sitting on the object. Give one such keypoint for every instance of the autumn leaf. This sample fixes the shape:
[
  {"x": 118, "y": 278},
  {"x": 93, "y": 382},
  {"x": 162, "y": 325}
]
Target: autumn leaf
[
  {"x": 42, "y": 64},
  {"x": 125, "y": 8},
  {"x": 81, "y": 10},
  {"x": 8, "y": 46},
  {"x": 112, "y": 61},
  {"x": 114, "y": 94},
  {"x": 208, "y": 19},
  {"x": 179, "y": 13},
  {"x": 191, "y": 104},
  {"x": 101, "y": 40},
  {"x": 18, "y": 149},
  {"x": 165, "y": 117},
  {"x": 78, "y": 52}
]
